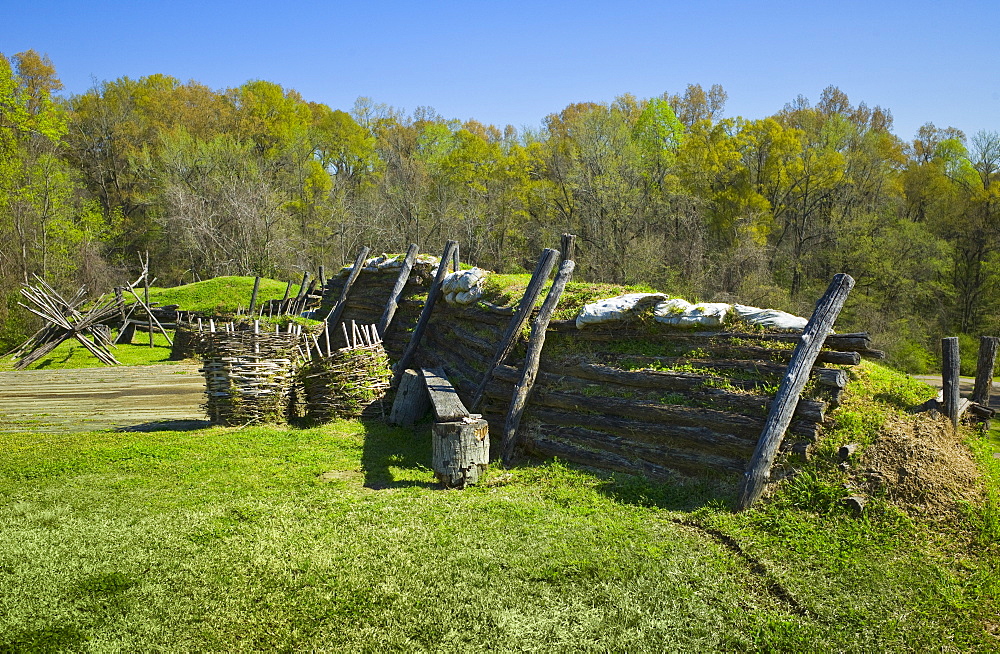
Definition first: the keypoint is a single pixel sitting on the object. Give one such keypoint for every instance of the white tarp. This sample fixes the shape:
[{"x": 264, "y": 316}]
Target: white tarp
[
  {"x": 683, "y": 313},
  {"x": 615, "y": 308},
  {"x": 464, "y": 286},
  {"x": 770, "y": 318}
]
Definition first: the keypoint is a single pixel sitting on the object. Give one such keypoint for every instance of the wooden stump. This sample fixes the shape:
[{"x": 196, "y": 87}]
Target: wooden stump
[
  {"x": 412, "y": 401},
  {"x": 461, "y": 451}
]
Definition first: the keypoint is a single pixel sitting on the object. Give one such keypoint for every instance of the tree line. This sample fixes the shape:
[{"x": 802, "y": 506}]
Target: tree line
[{"x": 667, "y": 191}]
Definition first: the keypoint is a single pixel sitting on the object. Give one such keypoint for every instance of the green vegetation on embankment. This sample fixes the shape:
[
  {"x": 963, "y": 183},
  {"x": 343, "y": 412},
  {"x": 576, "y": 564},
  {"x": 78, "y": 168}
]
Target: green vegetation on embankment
[{"x": 336, "y": 538}]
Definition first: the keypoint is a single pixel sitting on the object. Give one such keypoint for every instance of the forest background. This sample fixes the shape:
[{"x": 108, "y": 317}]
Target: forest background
[{"x": 665, "y": 191}]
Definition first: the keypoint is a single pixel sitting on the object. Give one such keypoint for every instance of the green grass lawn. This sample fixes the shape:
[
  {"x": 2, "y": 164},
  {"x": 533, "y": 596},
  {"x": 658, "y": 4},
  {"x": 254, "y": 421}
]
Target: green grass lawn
[
  {"x": 217, "y": 296},
  {"x": 70, "y": 354},
  {"x": 336, "y": 538}
]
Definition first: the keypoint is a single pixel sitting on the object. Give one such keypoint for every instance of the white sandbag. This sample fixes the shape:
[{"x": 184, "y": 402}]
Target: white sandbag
[
  {"x": 615, "y": 308},
  {"x": 770, "y": 318},
  {"x": 464, "y": 286},
  {"x": 682, "y": 313}
]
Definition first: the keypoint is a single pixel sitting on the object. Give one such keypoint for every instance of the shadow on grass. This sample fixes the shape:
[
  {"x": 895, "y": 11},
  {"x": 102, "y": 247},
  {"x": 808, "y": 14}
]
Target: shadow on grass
[
  {"x": 168, "y": 425},
  {"x": 387, "y": 447}
]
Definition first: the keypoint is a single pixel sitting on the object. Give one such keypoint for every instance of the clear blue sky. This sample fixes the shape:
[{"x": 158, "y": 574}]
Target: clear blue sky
[{"x": 515, "y": 62}]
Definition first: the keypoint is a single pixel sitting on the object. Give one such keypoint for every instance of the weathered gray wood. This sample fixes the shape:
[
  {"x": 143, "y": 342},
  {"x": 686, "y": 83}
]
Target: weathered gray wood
[
  {"x": 581, "y": 377},
  {"x": 253, "y": 296},
  {"x": 152, "y": 318},
  {"x": 338, "y": 310},
  {"x": 680, "y": 437},
  {"x": 685, "y": 462},
  {"x": 603, "y": 460},
  {"x": 567, "y": 247},
  {"x": 456, "y": 264},
  {"x": 830, "y": 377},
  {"x": 461, "y": 451},
  {"x": 538, "y": 278},
  {"x": 985, "y": 365},
  {"x": 432, "y": 295},
  {"x": 783, "y": 406},
  {"x": 444, "y": 398},
  {"x": 397, "y": 290},
  {"x": 950, "y": 366},
  {"x": 647, "y": 411},
  {"x": 411, "y": 402},
  {"x": 522, "y": 390},
  {"x": 126, "y": 333}
]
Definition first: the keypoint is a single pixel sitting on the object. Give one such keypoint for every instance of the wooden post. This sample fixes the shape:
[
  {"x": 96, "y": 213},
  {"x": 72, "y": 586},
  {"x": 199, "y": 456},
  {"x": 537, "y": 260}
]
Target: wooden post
[
  {"x": 146, "y": 303},
  {"x": 461, "y": 441},
  {"x": 359, "y": 263},
  {"x": 411, "y": 402},
  {"x": 522, "y": 390},
  {"x": 283, "y": 305},
  {"x": 397, "y": 289},
  {"x": 984, "y": 370},
  {"x": 253, "y": 296},
  {"x": 950, "y": 366},
  {"x": 787, "y": 398},
  {"x": 517, "y": 321},
  {"x": 567, "y": 247},
  {"x": 454, "y": 259},
  {"x": 418, "y": 332}
]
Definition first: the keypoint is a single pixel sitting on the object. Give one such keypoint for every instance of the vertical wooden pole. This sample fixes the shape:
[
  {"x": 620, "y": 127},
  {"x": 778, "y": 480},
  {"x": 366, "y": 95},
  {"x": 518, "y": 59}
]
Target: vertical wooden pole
[
  {"x": 253, "y": 296},
  {"x": 454, "y": 259},
  {"x": 149, "y": 309},
  {"x": 950, "y": 366},
  {"x": 522, "y": 390},
  {"x": 567, "y": 247},
  {"x": 425, "y": 315},
  {"x": 787, "y": 398},
  {"x": 517, "y": 322},
  {"x": 985, "y": 366},
  {"x": 397, "y": 290}
]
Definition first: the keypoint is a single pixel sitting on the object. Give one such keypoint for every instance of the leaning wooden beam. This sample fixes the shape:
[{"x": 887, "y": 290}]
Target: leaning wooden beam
[
  {"x": 338, "y": 310},
  {"x": 950, "y": 367},
  {"x": 984, "y": 370},
  {"x": 397, "y": 290},
  {"x": 518, "y": 320},
  {"x": 536, "y": 342},
  {"x": 152, "y": 318},
  {"x": 783, "y": 406},
  {"x": 425, "y": 315}
]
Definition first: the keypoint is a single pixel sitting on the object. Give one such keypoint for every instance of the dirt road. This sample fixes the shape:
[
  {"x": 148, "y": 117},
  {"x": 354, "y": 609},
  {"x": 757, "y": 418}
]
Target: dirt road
[{"x": 122, "y": 397}]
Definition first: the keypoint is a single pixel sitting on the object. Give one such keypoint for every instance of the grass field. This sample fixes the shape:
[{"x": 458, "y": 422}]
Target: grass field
[{"x": 337, "y": 538}]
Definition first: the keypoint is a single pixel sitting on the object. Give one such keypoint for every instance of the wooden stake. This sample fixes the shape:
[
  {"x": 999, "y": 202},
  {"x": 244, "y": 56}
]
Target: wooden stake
[
  {"x": 517, "y": 322},
  {"x": 984, "y": 370},
  {"x": 950, "y": 366},
  {"x": 253, "y": 296},
  {"x": 397, "y": 289},
  {"x": 359, "y": 263},
  {"x": 783, "y": 406},
  {"x": 425, "y": 315},
  {"x": 522, "y": 391}
]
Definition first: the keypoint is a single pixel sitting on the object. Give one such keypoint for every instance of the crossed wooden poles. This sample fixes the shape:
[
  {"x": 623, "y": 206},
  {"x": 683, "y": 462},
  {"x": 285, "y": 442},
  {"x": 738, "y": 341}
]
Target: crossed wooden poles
[{"x": 65, "y": 321}]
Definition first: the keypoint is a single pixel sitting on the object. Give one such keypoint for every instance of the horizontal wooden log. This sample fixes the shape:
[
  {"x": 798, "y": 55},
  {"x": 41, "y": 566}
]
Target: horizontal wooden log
[
  {"x": 687, "y": 463},
  {"x": 603, "y": 460},
  {"x": 810, "y": 410},
  {"x": 478, "y": 343},
  {"x": 830, "y": 377},
  {"x": 679, "y": 437}
]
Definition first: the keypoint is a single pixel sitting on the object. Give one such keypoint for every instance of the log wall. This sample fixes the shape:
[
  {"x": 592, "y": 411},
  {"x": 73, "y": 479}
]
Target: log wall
[{"x": 658, "y": 401}]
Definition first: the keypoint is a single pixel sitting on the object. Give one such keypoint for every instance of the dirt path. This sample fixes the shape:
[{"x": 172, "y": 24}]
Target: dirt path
[{"x": 125, "y": 397}]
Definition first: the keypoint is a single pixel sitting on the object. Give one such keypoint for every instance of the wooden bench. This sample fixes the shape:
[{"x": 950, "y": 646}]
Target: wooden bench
[{"x": 461, "y": 439}]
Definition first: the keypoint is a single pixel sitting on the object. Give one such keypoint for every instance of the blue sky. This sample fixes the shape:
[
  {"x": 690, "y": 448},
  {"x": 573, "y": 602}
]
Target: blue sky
[{"x": 514, "y": 62}]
